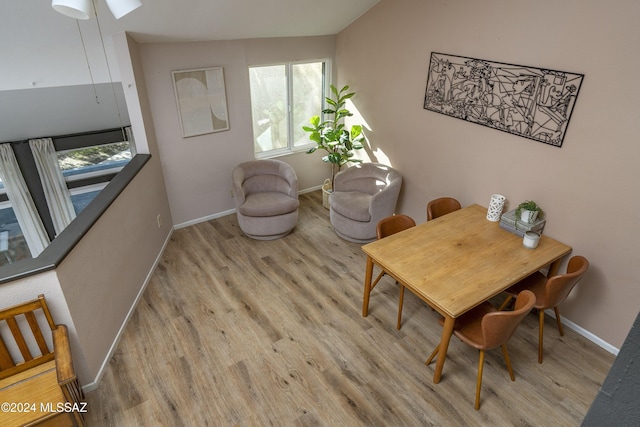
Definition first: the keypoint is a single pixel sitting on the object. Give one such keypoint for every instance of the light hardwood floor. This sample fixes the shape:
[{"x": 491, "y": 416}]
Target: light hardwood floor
[{"x": 238, "y": 332}]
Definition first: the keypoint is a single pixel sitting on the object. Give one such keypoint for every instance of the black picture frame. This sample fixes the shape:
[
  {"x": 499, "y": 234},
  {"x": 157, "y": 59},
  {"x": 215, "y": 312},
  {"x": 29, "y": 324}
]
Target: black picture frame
[{"x": 534, "y": 103}]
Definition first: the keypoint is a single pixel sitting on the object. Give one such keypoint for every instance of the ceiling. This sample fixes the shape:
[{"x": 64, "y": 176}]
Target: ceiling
[{"x": 36, "y": 40}]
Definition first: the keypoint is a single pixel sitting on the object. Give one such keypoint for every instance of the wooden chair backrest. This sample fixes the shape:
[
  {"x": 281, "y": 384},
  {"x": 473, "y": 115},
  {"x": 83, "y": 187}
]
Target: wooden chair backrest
[
  {"x": 442, "y": 206},
  {"x": 498, "y": 326},
  {"x": 393, "y": 224},
  {"x": 16, "y": 333},
  {"x": 559, "y": 286}
]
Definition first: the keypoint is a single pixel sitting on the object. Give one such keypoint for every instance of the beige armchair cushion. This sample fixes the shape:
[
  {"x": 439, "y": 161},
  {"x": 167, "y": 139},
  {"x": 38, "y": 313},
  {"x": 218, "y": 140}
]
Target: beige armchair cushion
[
  {"x": 352, "y": 204},
  {"x": 268, "y": 204},
  {"x": 362, "y": 196},
  {"x": 266, "y": 198}
]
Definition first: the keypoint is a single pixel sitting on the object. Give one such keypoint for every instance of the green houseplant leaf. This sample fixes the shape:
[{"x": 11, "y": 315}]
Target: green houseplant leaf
[{"x": 331, "y": 136}]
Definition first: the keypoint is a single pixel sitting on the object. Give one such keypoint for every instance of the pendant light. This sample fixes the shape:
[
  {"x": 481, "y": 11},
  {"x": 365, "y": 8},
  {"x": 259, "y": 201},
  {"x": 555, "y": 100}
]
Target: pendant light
[
  {"x": 120, "y": 8},
  {"x": 83, "y": 9},
  {"x": 77, "y": 9}
]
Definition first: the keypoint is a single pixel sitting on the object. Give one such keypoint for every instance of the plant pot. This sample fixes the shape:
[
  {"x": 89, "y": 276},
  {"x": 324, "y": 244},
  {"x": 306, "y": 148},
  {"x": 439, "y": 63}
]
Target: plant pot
[
  {"x": 326, "y": 190},
  {"x": 528, "y": 216}
]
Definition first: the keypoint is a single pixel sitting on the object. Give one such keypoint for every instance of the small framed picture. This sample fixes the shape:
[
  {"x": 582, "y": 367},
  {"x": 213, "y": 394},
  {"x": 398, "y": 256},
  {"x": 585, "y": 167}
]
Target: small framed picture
[{"x": 201, "y": 101}]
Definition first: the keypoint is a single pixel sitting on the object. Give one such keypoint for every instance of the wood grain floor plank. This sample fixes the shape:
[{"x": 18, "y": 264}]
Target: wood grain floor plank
[{"x": 237, "y": 332}]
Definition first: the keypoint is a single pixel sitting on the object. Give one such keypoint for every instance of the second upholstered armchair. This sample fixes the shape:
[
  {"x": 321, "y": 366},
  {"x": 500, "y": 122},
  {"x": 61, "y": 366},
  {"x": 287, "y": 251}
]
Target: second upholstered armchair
[{"x": 362, "y": 195}]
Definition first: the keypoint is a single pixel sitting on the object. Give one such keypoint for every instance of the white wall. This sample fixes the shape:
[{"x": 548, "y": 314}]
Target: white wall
[
  {"x": 198, "y": 169},
  {"x": 105, "y": 274},
  {"x": 61, "y": 110},
  {"x": 42, "y": 48},
  {"x": 587, "y": 188}
]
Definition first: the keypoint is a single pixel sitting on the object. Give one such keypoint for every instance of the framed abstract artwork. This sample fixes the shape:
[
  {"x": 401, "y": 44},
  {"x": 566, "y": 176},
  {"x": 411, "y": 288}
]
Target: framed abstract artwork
[
  {"x": 530, "y": 102},
  {"x": 201, "y": 100}
]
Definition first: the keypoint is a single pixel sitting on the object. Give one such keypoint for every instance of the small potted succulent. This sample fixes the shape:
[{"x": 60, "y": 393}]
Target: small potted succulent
[{"x": 528, "y": 211}]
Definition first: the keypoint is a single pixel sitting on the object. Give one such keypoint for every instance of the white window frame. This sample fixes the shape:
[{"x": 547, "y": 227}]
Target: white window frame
[
  {"x": 88, "y": 188},
  {"x": 326, "y": 81}
]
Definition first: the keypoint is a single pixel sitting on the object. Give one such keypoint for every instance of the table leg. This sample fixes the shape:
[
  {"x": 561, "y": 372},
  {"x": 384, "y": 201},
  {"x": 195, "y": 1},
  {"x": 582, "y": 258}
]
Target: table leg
[
  {"x": 367, "y": 287},
  {"x": 447, "y": 331},
  {"x": 553, "y": 268}
]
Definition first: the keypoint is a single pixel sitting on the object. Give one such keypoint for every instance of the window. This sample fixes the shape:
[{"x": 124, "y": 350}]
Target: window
[
  {"x": 13, "y": 246},
  {"x": 88, "y": 168},
  {"x": 82, "y": 196},
  {"x": 283, "y": 98},
  {"x": 88, "y": 162},
  {"x": 82, "y": 162}
]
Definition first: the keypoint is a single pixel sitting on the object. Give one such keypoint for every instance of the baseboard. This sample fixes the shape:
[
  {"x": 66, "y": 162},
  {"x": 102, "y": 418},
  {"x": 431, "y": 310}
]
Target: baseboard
[
  {"x": 229, "y": 212},
  {"x": 94, "y": 384},
  {"x": 588, "y": 335},
  {"x": 310, "y": 189},
  {"x": 203, "y": 219}
]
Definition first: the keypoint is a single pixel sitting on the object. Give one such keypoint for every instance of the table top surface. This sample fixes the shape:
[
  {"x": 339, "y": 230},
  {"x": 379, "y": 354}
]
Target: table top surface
[{"x": 461, "y": 259}]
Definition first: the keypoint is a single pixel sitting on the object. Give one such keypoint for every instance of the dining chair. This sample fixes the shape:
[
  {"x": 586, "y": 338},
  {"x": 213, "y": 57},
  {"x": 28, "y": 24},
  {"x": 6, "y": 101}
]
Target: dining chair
[
  {"x": 442, "y": 206},
  {"x": 485, "y": 328},
  {"x": 550, "y": 292},
  {"x": 386, "y": 227}
]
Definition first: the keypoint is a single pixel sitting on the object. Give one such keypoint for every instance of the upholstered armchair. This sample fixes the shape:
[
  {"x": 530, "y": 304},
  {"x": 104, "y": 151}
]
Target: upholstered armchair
[
  {"x": 266, "y": 198},
  {"x": 362, "y": 195}
]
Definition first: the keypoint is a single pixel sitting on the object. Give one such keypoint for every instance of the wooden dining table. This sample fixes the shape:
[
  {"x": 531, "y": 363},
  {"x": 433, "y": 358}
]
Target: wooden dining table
[{"x": 456, "y": 262}]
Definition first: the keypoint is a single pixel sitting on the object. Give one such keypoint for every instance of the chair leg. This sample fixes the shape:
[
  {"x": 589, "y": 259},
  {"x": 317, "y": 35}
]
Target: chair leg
[
  {"x": 399, "y": 324},
  {"x": 432, "y": 355},
  {"x": 541, "y": 333},
  {"x": 505, "y": 303},
  {"x": 375, "y": 282},
  {"x": 505, "y": 354},
  {"x": 557, "y": 310},
  {"x": 479, "y": 382}
]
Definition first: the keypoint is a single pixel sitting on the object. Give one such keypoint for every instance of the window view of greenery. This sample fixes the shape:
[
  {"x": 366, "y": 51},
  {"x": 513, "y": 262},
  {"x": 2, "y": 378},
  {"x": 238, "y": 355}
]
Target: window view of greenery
[
  {"x": 94, "y": 158},
  {"x": 268, "y": 103},
  {"x": 283, "y": 97},
  {"x": 85, "y": 162},
  {"x": 308, "y": 93},
  {"x": 75, "y": 164},
  {"x": 12, "y": 244}
]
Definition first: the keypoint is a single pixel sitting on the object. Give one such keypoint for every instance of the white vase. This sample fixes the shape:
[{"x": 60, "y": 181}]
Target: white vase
[
  {"x": 528, "y": 216},
  {"x": 496, "y": 205}
]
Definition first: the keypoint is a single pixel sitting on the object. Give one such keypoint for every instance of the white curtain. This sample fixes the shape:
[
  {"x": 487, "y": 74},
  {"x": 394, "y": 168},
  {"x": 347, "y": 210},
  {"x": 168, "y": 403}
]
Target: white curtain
[
  {"x": 55, "y": 188},
  {"x": 132, "y": 143},
  {"x": 21, "y": 201}
]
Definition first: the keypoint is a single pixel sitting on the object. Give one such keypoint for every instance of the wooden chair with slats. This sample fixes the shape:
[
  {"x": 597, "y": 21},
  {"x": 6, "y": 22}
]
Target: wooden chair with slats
[{"x": 38, "y": 378}]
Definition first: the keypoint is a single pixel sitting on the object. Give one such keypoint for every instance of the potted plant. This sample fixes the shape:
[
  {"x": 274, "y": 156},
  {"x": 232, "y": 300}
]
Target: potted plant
[
  {"x": 528, "y": 211},
  {"x": 331, "y": 134}
]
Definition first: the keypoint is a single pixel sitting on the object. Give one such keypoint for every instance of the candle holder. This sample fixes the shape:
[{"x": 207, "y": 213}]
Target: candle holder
[{"x": 531, "y": 239}]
